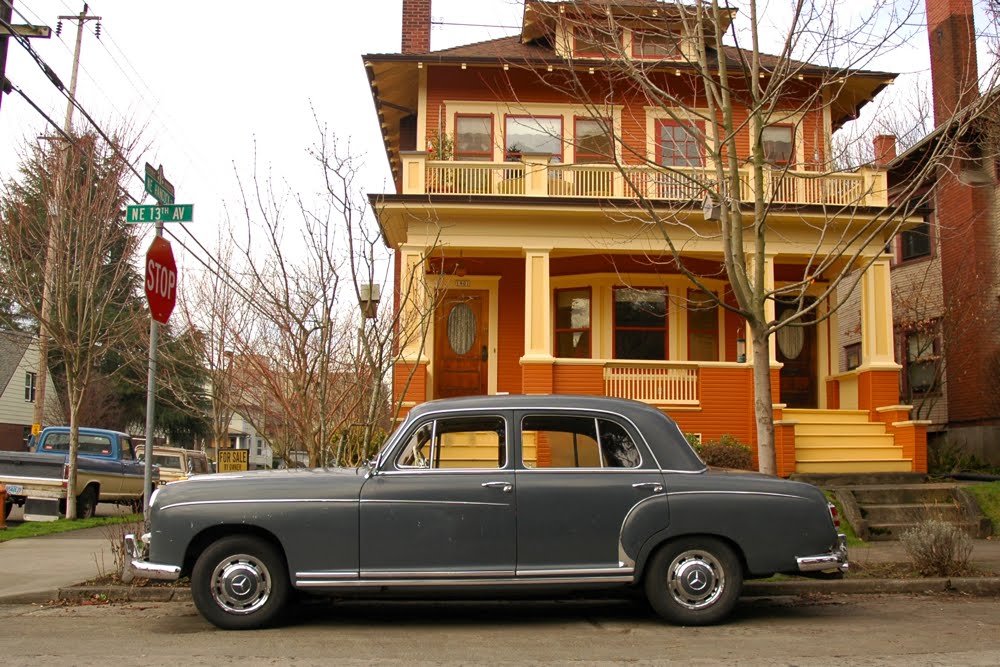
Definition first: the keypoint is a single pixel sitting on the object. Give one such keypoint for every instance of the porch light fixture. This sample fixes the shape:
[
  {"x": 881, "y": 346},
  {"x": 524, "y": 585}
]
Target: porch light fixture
[
  {"x": 368, "y": 298},
  {"x": 741, "y": 350}
]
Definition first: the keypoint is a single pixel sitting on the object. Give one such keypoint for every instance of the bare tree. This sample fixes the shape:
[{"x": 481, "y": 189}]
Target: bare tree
[
  {"x": 91, "y": 269},
  {"x": 711, "y": 76}
]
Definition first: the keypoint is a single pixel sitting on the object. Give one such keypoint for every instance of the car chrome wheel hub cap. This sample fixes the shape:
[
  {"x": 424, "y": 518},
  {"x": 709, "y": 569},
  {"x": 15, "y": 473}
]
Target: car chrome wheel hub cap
[
  {"x": 695, "y": 579},
  {"x": 241, "y": 584}
]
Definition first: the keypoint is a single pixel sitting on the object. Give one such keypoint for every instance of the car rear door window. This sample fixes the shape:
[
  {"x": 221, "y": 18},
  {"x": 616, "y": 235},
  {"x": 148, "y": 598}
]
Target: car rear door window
[{"x": 570, "y": 441}]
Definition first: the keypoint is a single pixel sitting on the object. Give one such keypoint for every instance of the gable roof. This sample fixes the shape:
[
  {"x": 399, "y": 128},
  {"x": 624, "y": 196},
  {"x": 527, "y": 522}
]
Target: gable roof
[{"x": 13, "y": 345}]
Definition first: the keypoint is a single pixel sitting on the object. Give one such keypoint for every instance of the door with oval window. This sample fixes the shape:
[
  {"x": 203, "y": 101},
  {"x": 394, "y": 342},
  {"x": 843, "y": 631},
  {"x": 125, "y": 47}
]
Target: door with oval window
[
  {"x": 461, "y": 344},
  {"x": 796, "y": 348}
]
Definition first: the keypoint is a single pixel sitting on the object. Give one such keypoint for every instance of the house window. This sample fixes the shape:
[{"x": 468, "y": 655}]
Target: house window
[
  {"x": 29, "y": 386},
  {"x": 915, "y": 243},
  {"x": 533, "y": 134},
  {"x": 596, "y": 43},
  {"x": 852, "y": 356},
  {"x": 779, "y": 144},
  {"x": 640, "y": 325},
  {"x": 593, "y": 141},
  {"x": 474, "y": 137},
  {"x": 260, "y": 446},
  {"x": 655, "y": 45},
  {"x": 679, "y": 144},
  {"x": 922, "y": 357},
  {"x": 703, "y": 326},
  {"x": 573, "y": 323}
]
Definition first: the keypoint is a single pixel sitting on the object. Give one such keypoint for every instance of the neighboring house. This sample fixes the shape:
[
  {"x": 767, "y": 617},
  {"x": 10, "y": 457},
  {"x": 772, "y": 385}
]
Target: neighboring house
[
  {"x": 243, "y": 435},
  {"x": 546, "y": 279},
  {"x": 18, "y": 379},
  {"x": 945, "y": 273}
]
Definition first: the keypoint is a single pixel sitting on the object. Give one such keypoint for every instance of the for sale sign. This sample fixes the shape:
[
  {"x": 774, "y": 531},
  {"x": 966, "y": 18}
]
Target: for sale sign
[{"x": 233, "y": 460}]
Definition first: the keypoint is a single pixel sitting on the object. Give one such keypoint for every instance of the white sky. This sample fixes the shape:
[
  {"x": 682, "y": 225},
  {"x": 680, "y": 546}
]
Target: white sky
[{"x": 214, "y": 81}]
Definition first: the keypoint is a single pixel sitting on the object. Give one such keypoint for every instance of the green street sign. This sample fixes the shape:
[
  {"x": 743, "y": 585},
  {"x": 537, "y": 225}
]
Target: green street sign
[
  {"x": 158, "y": 186},
  {"x": 172, "y": 213}
]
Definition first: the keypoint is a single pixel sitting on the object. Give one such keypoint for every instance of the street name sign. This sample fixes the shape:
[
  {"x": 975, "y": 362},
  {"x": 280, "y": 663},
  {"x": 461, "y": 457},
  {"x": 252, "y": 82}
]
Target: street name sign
[
  {"x": 233, "y": 460},
  {"x": 169, "y": 213},
  {"x": 161, "y": 279},
  {"x": 158, "y": 186}
]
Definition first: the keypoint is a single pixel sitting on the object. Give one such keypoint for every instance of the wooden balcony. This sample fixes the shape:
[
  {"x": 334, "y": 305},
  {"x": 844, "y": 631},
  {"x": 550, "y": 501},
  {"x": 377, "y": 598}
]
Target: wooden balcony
[{"x": 534, "y": 176}]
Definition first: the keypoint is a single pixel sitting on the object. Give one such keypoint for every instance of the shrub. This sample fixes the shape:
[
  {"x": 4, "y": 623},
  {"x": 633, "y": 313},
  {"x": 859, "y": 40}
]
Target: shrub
[
  {"x": 937, "y": 548},
  {"x": 947, "y": 456},
  {"x": 726, "y": 452}
]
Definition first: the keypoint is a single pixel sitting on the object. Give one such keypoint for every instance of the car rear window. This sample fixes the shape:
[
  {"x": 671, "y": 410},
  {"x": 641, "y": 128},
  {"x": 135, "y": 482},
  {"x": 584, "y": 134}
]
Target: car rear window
[{"x": 571, "y": 441}]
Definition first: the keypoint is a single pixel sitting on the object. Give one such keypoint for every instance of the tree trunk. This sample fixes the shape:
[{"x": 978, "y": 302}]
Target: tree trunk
[
  {"x": 763, "y": 402},
  {"x": 72, "y": 456}
]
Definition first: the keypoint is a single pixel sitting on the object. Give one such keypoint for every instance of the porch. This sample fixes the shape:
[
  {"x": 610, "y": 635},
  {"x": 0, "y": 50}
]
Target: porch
[{"x": 558, "y": 323}]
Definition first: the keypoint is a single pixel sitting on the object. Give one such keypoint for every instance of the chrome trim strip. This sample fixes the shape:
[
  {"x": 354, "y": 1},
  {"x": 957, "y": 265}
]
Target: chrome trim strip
[
  {"x": 596, "y": 571},
  {"x": 446, "y": 471},
  {"x": 434, "y": 574},
  {"x": 646, "y": 471},
  {"x": 534, "y": 581},
  {"x": 430, "y": 502},
  {"x": 735, "y": 493},
  {"x": 353, "y": 574},
  {"x": 259, "y": 501}
]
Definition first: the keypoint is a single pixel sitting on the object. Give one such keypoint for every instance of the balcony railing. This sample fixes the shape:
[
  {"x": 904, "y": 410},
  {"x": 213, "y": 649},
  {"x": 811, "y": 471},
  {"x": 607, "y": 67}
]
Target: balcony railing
[
  {"x": 642, "y": 381},
  {"x": 535, "y": 177}
]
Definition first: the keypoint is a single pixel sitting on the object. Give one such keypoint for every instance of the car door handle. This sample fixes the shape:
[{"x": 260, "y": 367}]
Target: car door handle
[
  {"x": 506, "y": 487},
  {"x": 655, "y": 487}
]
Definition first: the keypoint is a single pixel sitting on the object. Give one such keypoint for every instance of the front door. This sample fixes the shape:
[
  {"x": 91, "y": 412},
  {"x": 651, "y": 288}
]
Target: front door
[
  {"x": 442, "y": 505},
  {"x": 796, "y": 348},
  {"x": 461, "y": 344}
]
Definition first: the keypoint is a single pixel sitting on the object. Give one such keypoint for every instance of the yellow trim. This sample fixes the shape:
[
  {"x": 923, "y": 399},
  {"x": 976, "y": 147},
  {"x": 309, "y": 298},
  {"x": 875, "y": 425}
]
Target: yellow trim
[{"x": 422, "y": 104}]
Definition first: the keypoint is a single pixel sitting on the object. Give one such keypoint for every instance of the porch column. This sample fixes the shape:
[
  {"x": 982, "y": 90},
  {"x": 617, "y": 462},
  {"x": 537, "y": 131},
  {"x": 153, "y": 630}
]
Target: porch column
[
  {"x": 769, "y": 310},
  {"x": 536, "y": 364},
  {"x": 410, "y": 376},
  {"x": 878, "y": 375},
  {"x": 876, "y": 318}
]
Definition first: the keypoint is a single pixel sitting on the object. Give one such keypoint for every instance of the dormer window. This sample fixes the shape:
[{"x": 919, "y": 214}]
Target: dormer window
[
  {"x": 779, "y": 144},
  {"x": 650, "y": 45},
  {"x": 596, "y": 43}
]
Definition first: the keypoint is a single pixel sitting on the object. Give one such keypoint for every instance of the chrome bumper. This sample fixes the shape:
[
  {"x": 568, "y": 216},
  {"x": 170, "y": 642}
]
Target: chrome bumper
[
  {"x": 136, "y": 564},
  {"x": 835, "y": 560}
]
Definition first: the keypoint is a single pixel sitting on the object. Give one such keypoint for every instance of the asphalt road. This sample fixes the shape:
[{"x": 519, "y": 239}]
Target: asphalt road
[{"x": 855, "y": 630}]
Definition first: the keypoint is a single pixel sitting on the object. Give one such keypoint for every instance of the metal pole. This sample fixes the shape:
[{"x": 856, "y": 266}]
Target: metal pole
[{"x": 147, "y": 474}]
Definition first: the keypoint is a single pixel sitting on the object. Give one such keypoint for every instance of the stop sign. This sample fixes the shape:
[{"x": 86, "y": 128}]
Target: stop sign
[{"x": 161, "y": 279}]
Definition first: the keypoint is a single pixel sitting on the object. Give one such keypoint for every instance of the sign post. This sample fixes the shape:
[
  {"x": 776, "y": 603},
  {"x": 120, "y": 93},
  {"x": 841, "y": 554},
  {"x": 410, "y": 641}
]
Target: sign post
[{"x": 161, "y": 293}]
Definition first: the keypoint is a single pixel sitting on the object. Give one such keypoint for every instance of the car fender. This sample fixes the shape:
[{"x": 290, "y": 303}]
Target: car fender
[{"x": 646, "y": 518}]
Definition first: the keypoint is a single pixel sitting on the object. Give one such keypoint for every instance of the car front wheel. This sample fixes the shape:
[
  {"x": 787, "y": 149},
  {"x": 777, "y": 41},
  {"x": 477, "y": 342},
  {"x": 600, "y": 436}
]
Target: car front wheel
[
  {"x": 694, "y": 581},
  {"x": 240, "y": 582}
]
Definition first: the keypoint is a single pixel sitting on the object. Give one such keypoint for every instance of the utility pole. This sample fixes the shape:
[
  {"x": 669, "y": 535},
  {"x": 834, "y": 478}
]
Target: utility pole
[
  {"x": 53, "y": 216},
  {"x": 6, "y": 30}
]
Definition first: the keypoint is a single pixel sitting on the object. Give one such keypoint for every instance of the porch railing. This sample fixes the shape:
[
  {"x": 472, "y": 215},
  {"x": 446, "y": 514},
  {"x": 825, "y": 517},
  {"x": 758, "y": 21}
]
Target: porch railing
[
  {"x": 640, "y": 381},
  {"x": 536, "y": 177}
]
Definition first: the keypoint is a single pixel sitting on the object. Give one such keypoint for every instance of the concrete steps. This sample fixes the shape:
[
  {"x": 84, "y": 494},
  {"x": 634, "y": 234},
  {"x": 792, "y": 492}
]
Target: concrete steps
[
  {"x": 884, "y": 512},
  {"x": 843, "y": 442}
]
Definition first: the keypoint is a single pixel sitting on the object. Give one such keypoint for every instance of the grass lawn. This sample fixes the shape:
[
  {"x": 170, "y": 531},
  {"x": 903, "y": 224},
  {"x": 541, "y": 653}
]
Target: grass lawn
[
  {"x": 845, "y": 527},
  {"x": 988, "y": 497},
  {"x": 36, "y": 528}
]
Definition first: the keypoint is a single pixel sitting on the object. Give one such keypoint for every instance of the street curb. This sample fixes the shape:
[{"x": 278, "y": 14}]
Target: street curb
[{"x": 980, "y": 586}]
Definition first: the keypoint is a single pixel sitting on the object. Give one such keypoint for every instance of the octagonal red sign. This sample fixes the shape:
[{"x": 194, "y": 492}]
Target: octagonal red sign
[{"x": 161, "y": 279}]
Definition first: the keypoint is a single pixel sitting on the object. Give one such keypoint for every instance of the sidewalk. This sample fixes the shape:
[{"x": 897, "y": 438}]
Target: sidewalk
[{"x": 36, "y": 569}]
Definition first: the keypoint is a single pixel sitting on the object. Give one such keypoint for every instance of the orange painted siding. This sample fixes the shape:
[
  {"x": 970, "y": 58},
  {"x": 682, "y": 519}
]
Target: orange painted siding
[
  {"x": 536, "y": 378},
  {"x": 587, "y": 380},
  {"x": 726, "y": 406},
  {"x": 832, "y": 395},
  {"x": 416, "y": 377},
  {"x": 877, "y": 389}
]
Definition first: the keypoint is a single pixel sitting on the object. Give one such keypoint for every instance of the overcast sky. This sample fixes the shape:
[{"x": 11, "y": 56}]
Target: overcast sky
[{"x": 216, "y": 82}]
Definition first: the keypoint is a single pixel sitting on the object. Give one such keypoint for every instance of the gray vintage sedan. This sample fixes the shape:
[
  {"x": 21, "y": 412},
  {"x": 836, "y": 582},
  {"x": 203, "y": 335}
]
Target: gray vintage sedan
[{"x": 489, "y": 495}]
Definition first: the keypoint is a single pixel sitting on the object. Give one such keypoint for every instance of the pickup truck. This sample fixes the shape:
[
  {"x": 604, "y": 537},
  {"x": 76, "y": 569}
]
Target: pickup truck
[
  {"x": 107, "y": 472},
  {"x": 176, "y": 464}
]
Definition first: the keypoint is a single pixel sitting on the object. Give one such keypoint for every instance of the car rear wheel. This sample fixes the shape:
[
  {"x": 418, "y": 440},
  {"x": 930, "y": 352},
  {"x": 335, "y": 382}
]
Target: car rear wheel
[
  {"x": 240, "y": 582},
  {"x": 694, "y": 581},
  {"x": 86, "y": 503}
]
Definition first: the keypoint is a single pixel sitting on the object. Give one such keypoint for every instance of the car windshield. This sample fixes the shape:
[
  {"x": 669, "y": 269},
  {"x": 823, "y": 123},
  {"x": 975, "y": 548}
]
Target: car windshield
[{"x": 167, "y": 461}]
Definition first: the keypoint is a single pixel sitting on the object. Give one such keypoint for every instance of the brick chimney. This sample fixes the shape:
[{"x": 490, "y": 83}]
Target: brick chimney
[
  {"x": 954, "y": 71},
  {"x": 885, "y": 149},
  {"x": 417, "y": 26}
]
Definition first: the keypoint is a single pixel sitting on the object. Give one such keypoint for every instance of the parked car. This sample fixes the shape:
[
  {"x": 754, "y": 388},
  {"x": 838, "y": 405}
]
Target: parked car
[
  {"x": 175, "y": 463},
  {"x": 491, "y": 495},
  {"x": 107, "y": 472}
]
